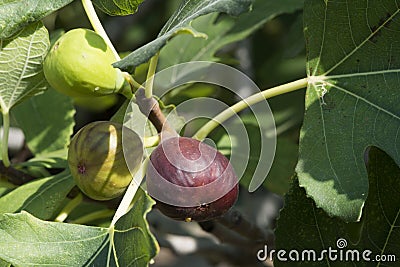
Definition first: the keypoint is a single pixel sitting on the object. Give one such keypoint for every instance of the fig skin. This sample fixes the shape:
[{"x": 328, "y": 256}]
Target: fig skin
[
  {"x": 202, "y": 168},
  {"x": 96, "y": 159},
  {"x": 79, "y": 64}
]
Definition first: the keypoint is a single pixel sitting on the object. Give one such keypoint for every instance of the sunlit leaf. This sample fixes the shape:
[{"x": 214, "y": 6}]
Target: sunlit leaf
[
  {"x": 21, "y": 60},
  {"x": 16, "y": 14},
  {"x": 26, "y": 240},
  {"x": 41, "y": 197},
  {"x": 118, "y": 7},
  {"x": 352, "y": 99}
]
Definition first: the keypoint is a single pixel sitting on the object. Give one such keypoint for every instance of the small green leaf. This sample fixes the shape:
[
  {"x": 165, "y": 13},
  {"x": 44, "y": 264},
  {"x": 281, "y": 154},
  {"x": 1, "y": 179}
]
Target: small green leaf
[
  {"x": 303, "y": 226},
  {"x": 16, "y": 14},
  {"x": 26, "y": 241},
  {"x": 21, "y": 60},
  {"x": 40, "y": 197},
  {"x": 46, "y": 132},
  {"x": 180, "y": 23},
  {"x": 118, "y": 7},
  {"x": 352, "y": 99}
]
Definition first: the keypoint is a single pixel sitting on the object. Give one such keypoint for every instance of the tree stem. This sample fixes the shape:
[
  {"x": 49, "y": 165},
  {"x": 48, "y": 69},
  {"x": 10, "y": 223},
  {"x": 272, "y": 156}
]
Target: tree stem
[
  {"x": 205, "y": 130},
  {"x": 15, "y": 176},
  {"x": 236, "y": 222},
  {"x": 4, "y": 144}
]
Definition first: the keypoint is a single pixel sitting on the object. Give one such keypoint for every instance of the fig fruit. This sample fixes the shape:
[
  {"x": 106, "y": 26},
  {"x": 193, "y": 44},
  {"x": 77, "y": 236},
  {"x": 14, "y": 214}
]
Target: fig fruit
[
  {"x": 191, "y": 180},
  {"x": 79, "y": 64},
  {"x": 96, "y": 159}
]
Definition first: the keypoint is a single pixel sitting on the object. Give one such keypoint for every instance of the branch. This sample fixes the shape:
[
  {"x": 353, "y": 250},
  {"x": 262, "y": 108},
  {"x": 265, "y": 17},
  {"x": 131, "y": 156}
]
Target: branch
[
  {"x": 236, "y": 222},
  {"x": 14, "y": 176},
  {"x": 232, "y": 228}
]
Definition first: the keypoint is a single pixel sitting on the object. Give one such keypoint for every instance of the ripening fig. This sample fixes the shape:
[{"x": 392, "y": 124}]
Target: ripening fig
[
  {"x": 191, "y": 180},
  {"x": 96, "y": 159},
  {"x": 79, "y": 64}
]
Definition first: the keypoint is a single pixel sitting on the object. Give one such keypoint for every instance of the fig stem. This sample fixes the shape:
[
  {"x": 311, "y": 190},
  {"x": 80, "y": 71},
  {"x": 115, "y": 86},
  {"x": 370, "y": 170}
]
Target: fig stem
[
  {"x": 71, "y": 205},
  {"x": 99, "y": 29},
  {"x": 97, "y": 26},
  {"x": 207, "y": 128},
  {"x": 150, "y": 76},
  {"x": 151, "y": 109},
  {"x": 4, "y": 143},
  {"x": 100, "y": 214}
]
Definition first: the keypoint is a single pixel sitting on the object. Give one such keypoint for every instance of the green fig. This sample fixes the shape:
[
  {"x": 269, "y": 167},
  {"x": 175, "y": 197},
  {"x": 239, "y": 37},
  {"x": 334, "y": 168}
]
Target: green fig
[
  {"x": 96, "y": 159},
  {"x": 79, "y": 64}
]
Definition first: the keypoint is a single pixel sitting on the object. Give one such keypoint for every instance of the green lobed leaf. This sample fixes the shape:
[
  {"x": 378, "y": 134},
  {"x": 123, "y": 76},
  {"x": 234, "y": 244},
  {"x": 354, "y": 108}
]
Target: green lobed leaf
[
  {"x": 17, "y": 14},
  {"x": 302, "y": 225},
  {"x": 118, "y": 7},
  {"x": 352, "y": 99},
  {"x": 47, "y": 133},
  {"x": 180, "y": 23},
  {"x": 21, "y": 60},
  {"x": 40, "y": 197},
  {"x": 134, "y": 244},
  {"x": 26, "y": 240}
]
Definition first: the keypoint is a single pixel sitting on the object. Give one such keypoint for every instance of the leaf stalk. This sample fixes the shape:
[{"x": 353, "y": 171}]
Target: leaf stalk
[{"x": 207, "y": 128}]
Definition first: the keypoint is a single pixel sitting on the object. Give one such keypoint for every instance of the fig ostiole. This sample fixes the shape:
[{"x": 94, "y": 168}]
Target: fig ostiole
[
  {"x": 191, "y": 180},
  {"x": 97, "y": 162},
  {"x": 79, "y": 64}
]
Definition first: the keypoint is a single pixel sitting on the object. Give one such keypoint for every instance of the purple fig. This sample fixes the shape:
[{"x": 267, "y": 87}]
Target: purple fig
[{"x": 191, "y": 180}]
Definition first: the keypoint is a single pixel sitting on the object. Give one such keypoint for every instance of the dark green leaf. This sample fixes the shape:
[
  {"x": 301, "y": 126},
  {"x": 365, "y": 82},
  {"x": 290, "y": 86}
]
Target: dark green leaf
[
  {"x": 47, "y": 133},
  {"x": 27, "y": 241},
  {"x": 302, "y": 225},
  {"x": 41, "y": 197},
  {"x": 352, "y": 99},
  {"x": 118, "y": 7},
  {"x": 16, "y": 14},
  {"x": 21, "y": 65},
  {"x": 180, "y": 23}
]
